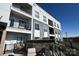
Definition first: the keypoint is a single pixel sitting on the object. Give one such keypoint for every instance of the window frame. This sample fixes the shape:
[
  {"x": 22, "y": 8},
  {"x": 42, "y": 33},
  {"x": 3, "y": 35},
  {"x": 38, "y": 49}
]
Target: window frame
[
  {"x": 45, "y": 30},
  {"x": 22, "y": 24},
  {"x": 57, "y": 26},
  {"x": 50, "y": 22},
  {"x": 37, "y": 26},
  {"x": 37, "y": 15},
  {"x": 44, "y": 19},
  {"x": 11, "y": 22}
]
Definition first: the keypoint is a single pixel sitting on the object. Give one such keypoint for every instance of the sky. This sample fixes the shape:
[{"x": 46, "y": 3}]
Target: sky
[{"x": 67, "y": 14}]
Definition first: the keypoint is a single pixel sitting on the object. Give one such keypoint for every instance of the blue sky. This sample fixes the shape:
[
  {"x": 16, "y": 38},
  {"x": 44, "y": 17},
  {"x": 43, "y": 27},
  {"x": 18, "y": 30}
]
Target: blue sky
[{"x": 67, "y": 14}]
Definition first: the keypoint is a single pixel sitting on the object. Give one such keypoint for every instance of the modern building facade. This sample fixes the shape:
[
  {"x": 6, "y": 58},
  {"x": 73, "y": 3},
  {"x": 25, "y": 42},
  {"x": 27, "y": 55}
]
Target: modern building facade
[{"x": 20, "y": 22}]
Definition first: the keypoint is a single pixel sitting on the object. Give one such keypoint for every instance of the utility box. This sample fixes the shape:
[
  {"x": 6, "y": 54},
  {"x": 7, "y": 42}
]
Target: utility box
[{"x": 31, "y": 52}]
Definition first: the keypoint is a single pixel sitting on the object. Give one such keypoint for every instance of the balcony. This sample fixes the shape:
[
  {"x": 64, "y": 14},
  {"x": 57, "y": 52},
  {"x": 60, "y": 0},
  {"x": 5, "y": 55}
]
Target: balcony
[
  {"x": 19, "y": 21},
  {"x": 25, "y": 7},
  {"x": 13, "y": 29}
]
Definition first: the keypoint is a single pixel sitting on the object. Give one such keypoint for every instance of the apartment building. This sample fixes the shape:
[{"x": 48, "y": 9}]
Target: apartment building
[{"x": 21, "y": 22}]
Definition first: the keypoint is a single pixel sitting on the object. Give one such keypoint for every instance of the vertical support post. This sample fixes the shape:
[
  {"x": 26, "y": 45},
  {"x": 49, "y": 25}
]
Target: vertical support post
[
  {"x": 32, "y": 29},
  {"x": 32, "y": 26},
  {"x": 2, "y": 45}
]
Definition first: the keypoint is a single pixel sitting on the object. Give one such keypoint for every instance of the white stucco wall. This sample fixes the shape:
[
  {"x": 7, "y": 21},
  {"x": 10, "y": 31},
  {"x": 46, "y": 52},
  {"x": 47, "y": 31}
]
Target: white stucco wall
[
  {"x": 45, "y": 34},
  {"x": 44, "y": 13}
]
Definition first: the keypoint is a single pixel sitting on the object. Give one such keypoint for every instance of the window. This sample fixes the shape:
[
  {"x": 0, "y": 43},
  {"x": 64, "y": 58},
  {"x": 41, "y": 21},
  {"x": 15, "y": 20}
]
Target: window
[
  {"x": 37, "y": 26},
  {"x": 45, "y": 30},
  {"x": 36, "y": 14},
  {"x": 11, "y": 23},
  {"x": 54, "y": 24},
  {"x": 22, "y": 24},
  {"x": 50, "y": 22},
  {"x": 51, "y": 30},
  {"x": 57, "y": 26},
  {"x": 44, "y": 19}
]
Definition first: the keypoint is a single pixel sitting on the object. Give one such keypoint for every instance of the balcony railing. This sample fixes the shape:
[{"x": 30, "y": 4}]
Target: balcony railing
[
  {"x": 19, "y": 21},
  {"x": 26, "y": 26},
  {"x": 23, "y": 7}
]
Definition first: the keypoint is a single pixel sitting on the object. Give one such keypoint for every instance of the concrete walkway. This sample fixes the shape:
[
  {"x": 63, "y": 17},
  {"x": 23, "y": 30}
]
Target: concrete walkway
[{"x": 12, "y": 54}]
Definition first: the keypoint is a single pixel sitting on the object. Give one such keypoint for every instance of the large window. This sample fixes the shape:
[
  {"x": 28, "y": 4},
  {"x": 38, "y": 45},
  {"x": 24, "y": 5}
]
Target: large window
[
  {"x": 12, "y": 22},
  {"x": 57, "y": 26},
  {"x": 36, "y": 14},
  {"x": 36, "y": 26},
  {"x": 50, "y": 22},
  {"x": 22, "y": 24},
  {"x": 51, "y": 30},
  {"x": 44, "y": 19}
]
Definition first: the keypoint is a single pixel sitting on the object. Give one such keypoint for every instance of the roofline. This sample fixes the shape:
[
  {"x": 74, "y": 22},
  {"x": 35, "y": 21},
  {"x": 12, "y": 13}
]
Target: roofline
[{"x": 47, "y": 12}]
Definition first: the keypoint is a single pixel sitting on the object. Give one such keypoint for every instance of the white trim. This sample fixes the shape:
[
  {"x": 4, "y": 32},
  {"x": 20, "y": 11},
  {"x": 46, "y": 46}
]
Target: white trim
[
  {"x": 21, "y": 12},
  {"x": 11, "y": 29},
  {"x": 51, "y": 35}
]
